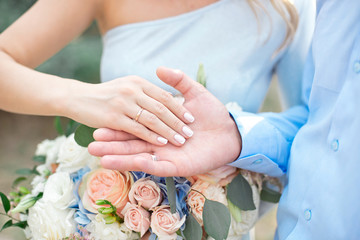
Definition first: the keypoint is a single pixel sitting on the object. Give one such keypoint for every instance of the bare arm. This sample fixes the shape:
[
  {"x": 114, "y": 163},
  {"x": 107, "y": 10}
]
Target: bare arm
[{"x": 41, "y": 32}]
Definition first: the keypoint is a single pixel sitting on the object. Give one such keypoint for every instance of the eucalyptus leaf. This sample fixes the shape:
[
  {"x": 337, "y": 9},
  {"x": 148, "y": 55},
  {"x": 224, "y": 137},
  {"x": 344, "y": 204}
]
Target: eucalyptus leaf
[
  {"x": 171, "y": 192},
  {"x": 239, "y": 192},
  {"x": 24, "y": 171},
  {"x": 216, "y": 217},
  {"x": 84, "y": 135},
  {"x": 5, "y": 202},
  {"x": 7, "y": 225},
  {"x": 39, "y": 158},
  {"x": 17, "y": 181},
  {"x": 269, "y": 195},
  {"x": 71, "y": 127},
  {"x": 58, "y": 127},
  {"x": 193, "y": 230},
  {"x": 22, "y": 224}
]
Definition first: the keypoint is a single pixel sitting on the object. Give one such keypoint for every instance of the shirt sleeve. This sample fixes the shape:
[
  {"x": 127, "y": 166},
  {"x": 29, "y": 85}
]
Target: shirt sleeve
[{"x": 267, "y": 137}]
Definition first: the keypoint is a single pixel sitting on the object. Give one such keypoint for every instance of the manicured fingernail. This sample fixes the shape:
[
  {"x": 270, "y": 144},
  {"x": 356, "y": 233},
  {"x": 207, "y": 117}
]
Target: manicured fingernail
[
  {"x": 188, "y": 132},
  {"x": 189, "y": 117},
  {"x": 162, "y": 140},
  {"x": 180, "y": 139}
]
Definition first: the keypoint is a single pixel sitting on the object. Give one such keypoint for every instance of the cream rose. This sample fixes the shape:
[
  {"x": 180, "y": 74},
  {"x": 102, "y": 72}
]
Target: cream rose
[
  {"x": 136, "y": 218},
  {"x": 105, "y": 184},
  {"x": 73, "y": 157},
  {"x": 115, "y": 231},
  {"x": 59, "y": 190},
  {"x": 196, "y": 200},
  {"x": 50, "y": 148},
  {"x": 165, "y": 224},
  {"x": 146, "y": 193},
  {"x": 222, "y": 176},
  {"x": 47, "y": 222}
]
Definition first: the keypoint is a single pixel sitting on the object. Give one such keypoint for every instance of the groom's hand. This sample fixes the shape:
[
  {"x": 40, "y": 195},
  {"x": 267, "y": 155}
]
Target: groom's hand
[{"x": 216, "y": 139}]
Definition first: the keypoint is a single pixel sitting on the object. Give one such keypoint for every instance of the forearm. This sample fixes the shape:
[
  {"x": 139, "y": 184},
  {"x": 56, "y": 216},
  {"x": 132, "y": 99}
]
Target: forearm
[{"x": 24, "y": 90}]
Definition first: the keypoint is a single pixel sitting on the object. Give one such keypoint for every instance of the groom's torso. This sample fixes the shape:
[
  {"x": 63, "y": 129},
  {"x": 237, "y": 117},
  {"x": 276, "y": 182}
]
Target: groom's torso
[{"x": 321, "y": 198}]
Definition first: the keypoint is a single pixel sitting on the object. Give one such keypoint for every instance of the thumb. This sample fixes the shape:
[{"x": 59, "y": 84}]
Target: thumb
[{"x": 177, "y": 79}]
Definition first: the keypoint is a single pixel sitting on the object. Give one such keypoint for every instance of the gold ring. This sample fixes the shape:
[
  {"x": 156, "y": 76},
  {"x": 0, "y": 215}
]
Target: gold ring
[{"x": 138, "y": 114}]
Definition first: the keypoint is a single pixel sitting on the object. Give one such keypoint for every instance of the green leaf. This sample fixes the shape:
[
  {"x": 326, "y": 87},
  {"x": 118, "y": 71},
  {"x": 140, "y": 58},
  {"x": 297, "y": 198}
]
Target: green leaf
[
  {"x": 17, "y": 181},
  {"x": 6, "y": 225},
  {"x": 23, "y": 190},
  {"x": 201, "y": 77},
  {"x": 5, "y": 202},
  {"x": 22, "y": 224},
  {"x": 193, "y": 230},
  {"x": 217, "y": 219},
  {"x": 24, "y": 171},
  {"x": 71, "y": 127},
  {"x": 58, "y": 127},
  {"x": 84, "y": 135},
  {"x": 239, "y": 192},
  {"x": 171, "y": 192},
  {"x": 269, "y": 195},
  {"x": 39, "y": 158}
]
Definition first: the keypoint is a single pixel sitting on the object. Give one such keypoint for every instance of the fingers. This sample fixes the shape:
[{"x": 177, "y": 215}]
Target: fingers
[
  {"x": 119, "y": 147},
  {"x": 140, "y": 162},
  {"x": 180, "y": 81},
  {"x": 158, "y": 117},
  {"x": 106, "y": 134},
  {"x": 166, "y": 105},
  {"x": 148, "y": 127}
]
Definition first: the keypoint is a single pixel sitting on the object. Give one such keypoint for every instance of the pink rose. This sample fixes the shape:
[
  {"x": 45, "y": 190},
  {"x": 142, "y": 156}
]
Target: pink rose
[
  {"x": 165, "y": 224},
  {"x": 136, "y": 218},
  {"x": 196, "y": 199},
  {"x": 106, "y": 184},
  {"x": 146, "y": 193},
  {"x": 222, "y": 176}
]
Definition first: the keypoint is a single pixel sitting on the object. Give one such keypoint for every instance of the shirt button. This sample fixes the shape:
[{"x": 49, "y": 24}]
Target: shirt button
[
  {"x": 258, "y": 161},
  {"x": 357, "y": 67},
  {"x": 335, "y": 145},
  {"x": 307, "y": 214}
]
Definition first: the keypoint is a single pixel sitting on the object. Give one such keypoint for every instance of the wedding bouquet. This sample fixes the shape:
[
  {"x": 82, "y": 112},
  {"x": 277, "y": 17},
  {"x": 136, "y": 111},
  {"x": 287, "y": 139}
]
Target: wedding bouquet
[{"x": 73, "y": 197}]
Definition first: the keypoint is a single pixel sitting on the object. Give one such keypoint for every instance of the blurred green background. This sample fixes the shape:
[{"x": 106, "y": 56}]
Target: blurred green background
[{"x": 19, "y": 134}]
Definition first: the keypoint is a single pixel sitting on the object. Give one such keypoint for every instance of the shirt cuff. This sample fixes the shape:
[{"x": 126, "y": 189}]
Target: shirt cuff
[{"x": 256, "y": 148}]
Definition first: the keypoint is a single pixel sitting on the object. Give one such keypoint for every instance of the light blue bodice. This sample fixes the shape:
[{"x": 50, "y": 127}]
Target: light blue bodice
[{"x": 235, "y": 47}]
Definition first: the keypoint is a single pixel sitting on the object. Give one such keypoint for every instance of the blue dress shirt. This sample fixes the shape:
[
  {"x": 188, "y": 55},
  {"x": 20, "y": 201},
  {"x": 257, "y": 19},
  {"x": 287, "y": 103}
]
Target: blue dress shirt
[{"x": 322, "y": 162}]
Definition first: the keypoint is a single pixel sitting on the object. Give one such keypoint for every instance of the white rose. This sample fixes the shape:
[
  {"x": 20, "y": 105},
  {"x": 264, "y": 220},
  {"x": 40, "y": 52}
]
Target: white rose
[
  {"x": 115, "y": 231},
  {"x": 59, "y": 190},
  {"x": 44, "y": 170},
  {"x": 50, "y": 148},
  {"x": 73, "y": 157},
  {"x": 47, "y": 222},
  {"x": 38, "y": 185}
]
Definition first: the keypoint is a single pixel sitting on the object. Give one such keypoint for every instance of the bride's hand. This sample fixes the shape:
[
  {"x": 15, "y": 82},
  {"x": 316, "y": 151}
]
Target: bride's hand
[
  {"x": 216, "y": 139},
  {"x": 133, "y": 105}
]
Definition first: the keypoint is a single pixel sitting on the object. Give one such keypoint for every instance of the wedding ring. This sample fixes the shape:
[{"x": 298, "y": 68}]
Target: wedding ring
[
  {"x": 138, "y": 114},
  {"x": 153, "y": 157}
]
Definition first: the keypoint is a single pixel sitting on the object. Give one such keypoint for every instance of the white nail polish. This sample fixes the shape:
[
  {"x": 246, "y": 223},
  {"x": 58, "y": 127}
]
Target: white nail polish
[
  {"x": 162, "y": 140},
  {"x": 180, "y": 139},
  {"x": 188, "y": 132},
  {"x": 189, "y": 117}
]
